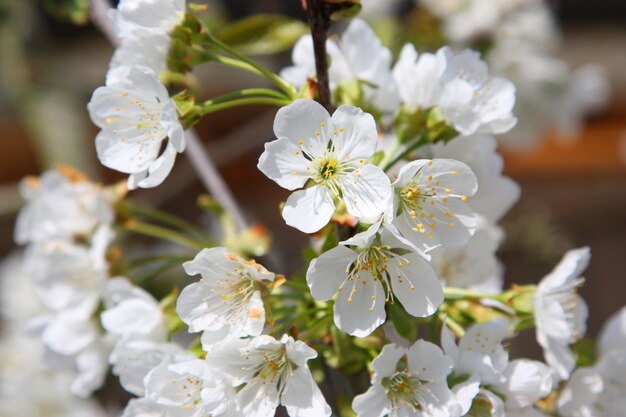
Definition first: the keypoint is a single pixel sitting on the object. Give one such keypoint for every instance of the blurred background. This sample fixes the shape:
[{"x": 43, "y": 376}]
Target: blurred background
[{"x": 573, "y": 183}]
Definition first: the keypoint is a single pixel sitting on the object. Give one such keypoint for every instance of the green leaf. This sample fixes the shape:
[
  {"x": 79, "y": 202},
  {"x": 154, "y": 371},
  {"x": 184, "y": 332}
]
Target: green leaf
[
  {"x": 262, "y": 33},
  {"x": 343, "y": 9},
  {"x": 402, "y": 322},
  {"x": 73, "y": 11}
]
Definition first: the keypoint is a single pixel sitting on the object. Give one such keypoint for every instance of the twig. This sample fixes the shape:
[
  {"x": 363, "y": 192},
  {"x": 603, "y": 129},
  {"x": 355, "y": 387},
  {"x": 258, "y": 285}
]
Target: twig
[
  {"x": 197, "y": 154},
  {"x": 319, "y": 21}
]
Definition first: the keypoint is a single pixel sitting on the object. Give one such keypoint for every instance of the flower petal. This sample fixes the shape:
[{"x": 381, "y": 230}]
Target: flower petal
[
  {"x": 300, "y": 121},
  {"x": 302, "y": 396},
  {"x": 309, "y": 210},
  {"x": 283, "y": 162},
  {"x": 357, "y": 136},
  {"x": 328, "y": 271},
  {"x": 360, "y": 307},
  {"x": 367, "y": 192},
  {"x": 416, "y": 286}
]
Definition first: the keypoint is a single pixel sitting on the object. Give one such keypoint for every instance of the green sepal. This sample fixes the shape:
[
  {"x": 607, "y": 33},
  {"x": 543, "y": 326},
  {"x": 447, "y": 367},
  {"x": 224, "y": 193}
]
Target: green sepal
[
  {"x": 408, "y": 123},
  {"x": 342, "y": 9},
  {"x": 585, "y": 352}
]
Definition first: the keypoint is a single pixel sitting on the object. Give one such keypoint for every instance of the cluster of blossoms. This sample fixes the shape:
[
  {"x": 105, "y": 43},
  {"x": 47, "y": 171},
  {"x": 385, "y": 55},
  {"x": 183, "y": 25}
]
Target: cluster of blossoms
[
  {"x": 522, "y": 38},
  {"x": 403, "y": 187}
]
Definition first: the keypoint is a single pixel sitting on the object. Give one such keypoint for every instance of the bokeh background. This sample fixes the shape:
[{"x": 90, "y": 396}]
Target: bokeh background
[{"x": 573, "y": 186}]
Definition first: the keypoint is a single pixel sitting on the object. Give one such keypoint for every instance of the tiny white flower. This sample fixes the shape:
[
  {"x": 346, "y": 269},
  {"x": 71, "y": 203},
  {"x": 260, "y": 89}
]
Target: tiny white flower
[
  {"x": 61, "y": 204},
  {"x": 480, "y": 351},
  {"x": 136, "y": 116},
  {"x": 226, "y": 303},
  {"x": 135, "y": 19},
  {"x": 358, "y": 55},
  {"x": 560, "y": 313},
  {"x": 368, "y": 270},
  {"x": 417, "y": 387},
  {"x": 332, "y": 153},
  {"x": 431, "y": 203},
  {"x": 267, "y": 372}
]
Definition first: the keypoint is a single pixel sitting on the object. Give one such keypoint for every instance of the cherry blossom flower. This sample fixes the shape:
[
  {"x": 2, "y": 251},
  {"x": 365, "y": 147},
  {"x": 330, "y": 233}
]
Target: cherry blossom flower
[
  {"x": 135, "y": 19},
  {"x": 136, "y": 116},
  {"x": 367, "y": 271},
  {"x": 61, "y": 204},
  {"x": 459, "y": 85},
  {"x": 332, "y": 154},
  {"x": 560, "y": 313},
  {"x": 430, "y": 206},
  {"x": 226, "y": 303},
  {"x": 416, "y": 387},
  {"x": 357, "y": 55},
  {"x": 267, "y": 372}
]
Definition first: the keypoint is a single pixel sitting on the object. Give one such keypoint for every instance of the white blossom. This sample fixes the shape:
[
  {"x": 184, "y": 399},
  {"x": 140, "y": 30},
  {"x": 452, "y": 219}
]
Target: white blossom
[
  {"x": 496, "y": 193},
  {"x": 613, "y": 334},
  {"x": 473, "y": 266},
  {"x": 267, "y": 372},
  {"x": 367, "y": 271},
  {"x": 357, "y": 56},
  {"x": 137, "y": 19},
  {"x": 226, "y": 303},
  {"x": 480, "y": 351},
  {"x": 183, "y": 386},
  {"x": 28, "y": 388},
  {"x": 149, "y": 51},
  {"x": 332, "y": 154},
  {"x": 136, "y": 116},
  {"x": 459, "y": 86},
  {"x": 415, "y": 387},
  {"x": 431, "y": 203},
  {"x": 69, "y": 276},
  {"x": 61, "y": 204},
  {"x": 560, "y": 313}
]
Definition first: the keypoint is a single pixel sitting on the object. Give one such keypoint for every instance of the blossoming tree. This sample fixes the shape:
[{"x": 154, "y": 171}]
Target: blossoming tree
[{"x": 400, "y": 310}]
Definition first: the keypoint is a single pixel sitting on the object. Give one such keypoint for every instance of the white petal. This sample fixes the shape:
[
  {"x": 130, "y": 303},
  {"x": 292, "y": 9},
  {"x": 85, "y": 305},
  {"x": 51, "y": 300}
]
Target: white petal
[
  {"x": 360, "y": 306},
  {"x": 160, "y": 168},
  {"x": 302, "y": 396},
  {"x": 367, "y": 194},
  {"x": 283, "y": 162},
  {"x": 372, "y": 403},
  {"x": 300, "y": 121},
  {"x": 416, "y": 286},
  {"x": 385, "y": 364},
  {"x": 125, "y": 156},
  {"x": 359, "y": 137},
  {"x": 429, "y": 361},
  {"x": 309, "y": 210},
  {"x": 328, "y": 271}
]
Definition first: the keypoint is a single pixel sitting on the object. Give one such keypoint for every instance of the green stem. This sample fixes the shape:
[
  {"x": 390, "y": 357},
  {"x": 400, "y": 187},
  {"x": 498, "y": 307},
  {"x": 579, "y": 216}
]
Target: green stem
[
  {"x": 168, "y": 219},
  {"x": 455, "y": 327},
  {"x": 163, "y": 233},
  {"x": 246, "y": 92},
  {"x": 211, "y": 108},
  {"x": 452, "y": 293},
  {"x": 418, "y": 143},
  {"x": 279, "y": 82},
  {"x": 146, "y": 260},
  {"x": 390, "y": 153}
]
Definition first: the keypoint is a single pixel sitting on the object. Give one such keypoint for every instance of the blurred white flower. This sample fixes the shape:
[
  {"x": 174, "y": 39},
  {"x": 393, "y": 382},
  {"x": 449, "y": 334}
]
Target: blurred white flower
[
  {"x": 61, "y": 204},
  {"x": 149, "y": 51},
  {"x": 560, "y": 313},
  {"x": 136, "y": 116},
  {"x": 226, "y": 303},
  {"x": 330, "y": 152},
  {"x": 357, "y": 55},
  {"x": 368, "y": 270},
  {"x": 136, "y": 19},
  {"x": 267, "y": 372},
  {"x": 459, "y": 85},
  {"x": 431, "y": 203},
  {"x": 417, "y": 387}
]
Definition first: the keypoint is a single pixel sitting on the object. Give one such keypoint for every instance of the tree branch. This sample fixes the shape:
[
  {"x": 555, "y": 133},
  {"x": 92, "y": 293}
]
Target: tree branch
[{"x": 319, "y": 21}]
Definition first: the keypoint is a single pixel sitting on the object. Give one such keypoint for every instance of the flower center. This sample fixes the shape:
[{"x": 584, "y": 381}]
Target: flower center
[{"x": 402, "y": 390}]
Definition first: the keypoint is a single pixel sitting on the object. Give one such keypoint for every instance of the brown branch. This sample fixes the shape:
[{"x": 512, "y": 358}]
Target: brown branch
[{"x": 319, "y": 21}]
